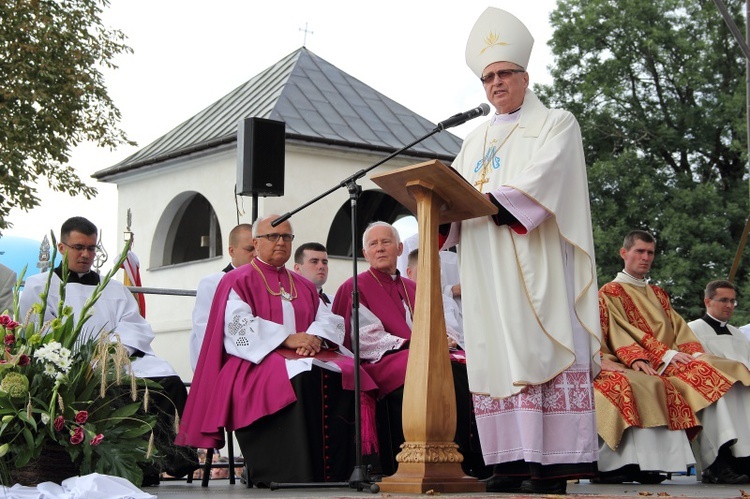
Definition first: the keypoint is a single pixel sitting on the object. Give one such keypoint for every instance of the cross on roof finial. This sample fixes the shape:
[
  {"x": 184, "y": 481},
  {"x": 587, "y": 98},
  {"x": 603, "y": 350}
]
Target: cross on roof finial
[{"x": 304, "y": 40}]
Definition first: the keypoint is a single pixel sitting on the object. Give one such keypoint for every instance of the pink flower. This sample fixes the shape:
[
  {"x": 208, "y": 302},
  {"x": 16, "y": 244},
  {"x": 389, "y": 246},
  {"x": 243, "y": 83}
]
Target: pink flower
[
  {"x": 82, "y": 417},
  {"x": 96, "y": 440},
  {"x": 77, "y": 436},
  {"x": 23, "y": 360},
  {"x": 9, "y": 339},
  {"x": 7, "y": 322},
  {"x": 59, "y": 423}
]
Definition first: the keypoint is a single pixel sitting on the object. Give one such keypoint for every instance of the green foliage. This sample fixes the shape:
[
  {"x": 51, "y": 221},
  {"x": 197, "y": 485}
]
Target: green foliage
[
  {"x": 659, "y": 91},
  {"x": 52, "y": 95},
  {"x": 79, "y": 395}
]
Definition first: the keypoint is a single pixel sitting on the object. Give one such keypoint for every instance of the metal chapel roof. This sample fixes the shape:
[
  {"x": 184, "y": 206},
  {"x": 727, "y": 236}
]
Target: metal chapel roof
[{"x": 319, "y": 103}]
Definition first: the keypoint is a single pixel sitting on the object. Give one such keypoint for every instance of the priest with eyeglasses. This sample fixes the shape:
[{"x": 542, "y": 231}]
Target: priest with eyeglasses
[
  {"x": 115, "y": 312},
  {"x": 272, "y": 369}
]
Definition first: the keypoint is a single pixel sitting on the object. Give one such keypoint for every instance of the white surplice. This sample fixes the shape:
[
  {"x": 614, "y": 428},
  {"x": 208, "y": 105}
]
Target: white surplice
[
  {"x": 116, "y": 311},
  {"x": 267, "y": 335},
  {"x": 204, "y": 297}
]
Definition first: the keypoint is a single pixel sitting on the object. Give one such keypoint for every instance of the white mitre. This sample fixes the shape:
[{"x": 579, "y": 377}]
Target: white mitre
[{"x": 498, "y": 36}]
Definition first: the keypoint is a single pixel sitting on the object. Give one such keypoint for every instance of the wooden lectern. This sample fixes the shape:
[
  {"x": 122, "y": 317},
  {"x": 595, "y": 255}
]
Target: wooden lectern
[{"x": 429, "y": 459}]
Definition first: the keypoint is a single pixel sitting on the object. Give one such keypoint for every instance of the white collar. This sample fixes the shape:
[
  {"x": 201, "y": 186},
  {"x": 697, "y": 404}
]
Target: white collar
[
  {"x": 624, "y": 277},
  {"x": 507, "y": 118},
  {"x": 721, "y": 323}
]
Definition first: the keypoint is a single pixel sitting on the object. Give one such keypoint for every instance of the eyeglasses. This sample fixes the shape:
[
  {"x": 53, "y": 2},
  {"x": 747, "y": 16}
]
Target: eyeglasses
[
  {"x": 725, "y": 301},
  {"x": 287, "y": 238},
  {"x": 503, "y": 74},
  {"x": 80, "y": 247}
]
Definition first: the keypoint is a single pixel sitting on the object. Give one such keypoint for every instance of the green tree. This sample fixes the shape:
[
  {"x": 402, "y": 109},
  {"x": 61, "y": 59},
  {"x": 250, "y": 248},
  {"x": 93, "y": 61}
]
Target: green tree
[
  {"x": 659, "y": 91},
  {"x": 52, "y": 95}
]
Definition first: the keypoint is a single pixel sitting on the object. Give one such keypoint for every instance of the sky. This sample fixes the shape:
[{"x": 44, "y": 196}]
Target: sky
[{"x": 187, "y": 54}]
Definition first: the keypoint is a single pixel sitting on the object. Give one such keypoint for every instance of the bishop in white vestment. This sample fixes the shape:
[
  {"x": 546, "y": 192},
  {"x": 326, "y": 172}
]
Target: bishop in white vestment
[{"x": 530, "y": 309}]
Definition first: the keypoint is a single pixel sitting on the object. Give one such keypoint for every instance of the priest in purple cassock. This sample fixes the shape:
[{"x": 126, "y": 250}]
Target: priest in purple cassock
[
  {"x": 271, "y": 369},
  {"x": 385, "y": 321}
]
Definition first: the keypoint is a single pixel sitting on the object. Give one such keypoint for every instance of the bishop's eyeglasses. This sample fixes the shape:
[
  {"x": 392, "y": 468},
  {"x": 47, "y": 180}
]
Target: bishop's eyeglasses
[
  {"x": 287, "y": 238},
  {"x": 503, "y": 74}
]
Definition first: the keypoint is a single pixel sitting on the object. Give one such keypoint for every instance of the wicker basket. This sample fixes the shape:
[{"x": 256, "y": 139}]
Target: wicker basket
[{"x": 53, "y": 465}]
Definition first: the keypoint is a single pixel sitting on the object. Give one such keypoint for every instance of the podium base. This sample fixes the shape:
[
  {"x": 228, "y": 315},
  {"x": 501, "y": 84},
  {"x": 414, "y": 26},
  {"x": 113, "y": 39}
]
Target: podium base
[{"x": 418, "y": 478}]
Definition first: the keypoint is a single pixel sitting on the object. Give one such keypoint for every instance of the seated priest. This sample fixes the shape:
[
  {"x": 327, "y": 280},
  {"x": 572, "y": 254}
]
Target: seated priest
[
  {"x": 646, "y": 334},
  {"x": 643, "y": 422},
  {"x": 271, "y": 370},
  {"x": 386, "y": 311},
  {"x": 717, "y": 336},
  {"x": 241, "y": 251},
  {"x": 116, "y": 311},
  {"x": 720, "y": 338}
]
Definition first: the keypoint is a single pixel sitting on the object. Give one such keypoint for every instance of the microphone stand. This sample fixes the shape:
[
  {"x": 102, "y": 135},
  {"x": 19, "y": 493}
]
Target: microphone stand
[{"x": 359, "y": 477}]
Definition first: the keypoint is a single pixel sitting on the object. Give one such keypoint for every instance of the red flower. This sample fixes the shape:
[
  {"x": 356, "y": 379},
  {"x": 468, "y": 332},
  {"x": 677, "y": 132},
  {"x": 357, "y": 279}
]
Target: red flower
[
  {"x": 23, "y": 360},
  {"x": 77, "y": 436},
  {"x": 9, "y": 339},
  {"x": 7, "y": 322},
  {"x": 59, "y": 423},
  {"x": 96, "y": 440},
  {"x": 82, "y": 417}
]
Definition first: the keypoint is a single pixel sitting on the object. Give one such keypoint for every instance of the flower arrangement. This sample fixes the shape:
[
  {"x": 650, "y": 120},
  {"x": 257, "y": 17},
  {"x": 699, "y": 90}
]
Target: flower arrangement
[{"x": 61, "y": 389}]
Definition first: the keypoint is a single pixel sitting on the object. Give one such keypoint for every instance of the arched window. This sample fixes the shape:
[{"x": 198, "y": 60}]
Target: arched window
[
  {"x": 187, "y": 231},
  {"x": 373, "y": 206}
]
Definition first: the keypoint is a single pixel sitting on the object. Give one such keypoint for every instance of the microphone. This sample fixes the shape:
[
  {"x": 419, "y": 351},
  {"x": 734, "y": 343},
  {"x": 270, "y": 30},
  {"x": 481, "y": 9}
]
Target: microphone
[{"x": 459, "y": 119}]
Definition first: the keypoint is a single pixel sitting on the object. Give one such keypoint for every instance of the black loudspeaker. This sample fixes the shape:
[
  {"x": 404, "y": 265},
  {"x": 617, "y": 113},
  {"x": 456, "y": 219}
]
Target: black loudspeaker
[{"x": 260, "y": 157}]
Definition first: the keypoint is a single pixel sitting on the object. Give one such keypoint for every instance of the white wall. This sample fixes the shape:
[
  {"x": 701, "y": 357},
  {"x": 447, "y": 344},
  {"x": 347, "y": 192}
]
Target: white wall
[{"x": 309, "y": 172}]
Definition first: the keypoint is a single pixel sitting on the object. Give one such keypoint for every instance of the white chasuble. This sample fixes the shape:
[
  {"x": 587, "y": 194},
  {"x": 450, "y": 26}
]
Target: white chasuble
[{"x": 530, "y": 305}]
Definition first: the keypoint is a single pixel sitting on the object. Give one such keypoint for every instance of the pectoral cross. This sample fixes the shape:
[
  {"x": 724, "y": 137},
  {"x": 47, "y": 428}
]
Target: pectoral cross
[{"x": 482, "y": 180}]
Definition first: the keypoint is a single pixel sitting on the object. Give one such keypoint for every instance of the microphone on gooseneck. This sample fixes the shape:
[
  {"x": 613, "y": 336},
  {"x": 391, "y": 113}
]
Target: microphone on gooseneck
[{"x": 459, "y": 119}]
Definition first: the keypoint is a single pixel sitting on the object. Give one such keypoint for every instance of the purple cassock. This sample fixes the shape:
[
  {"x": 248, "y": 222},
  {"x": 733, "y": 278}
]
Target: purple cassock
[
  {"x": 231, "y": 392},
  {"x": 385, "y": 298}
]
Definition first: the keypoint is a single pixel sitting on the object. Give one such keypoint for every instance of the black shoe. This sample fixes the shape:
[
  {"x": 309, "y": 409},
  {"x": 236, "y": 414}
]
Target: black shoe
[
  {"x": 150, "y": 480},
  {"x": 499, "y": 483},
  {"x": 611, "y": 478},
  {"x": 624, "y": 476},
  {"x": 184, "y": 468},
  {"x": 724, "y": 474},
  {"x": 649, "y": 477},
  {"x": 546, "y": 486}
]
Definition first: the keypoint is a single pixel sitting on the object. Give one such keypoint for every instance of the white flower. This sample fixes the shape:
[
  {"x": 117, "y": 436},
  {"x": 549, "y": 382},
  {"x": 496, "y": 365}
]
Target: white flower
[
  {"x": 64, "y": 364},
  {"x": 45, "y": 418},
  {"x": 55, "y": 354},
  {"x": 49, "y": 370}
]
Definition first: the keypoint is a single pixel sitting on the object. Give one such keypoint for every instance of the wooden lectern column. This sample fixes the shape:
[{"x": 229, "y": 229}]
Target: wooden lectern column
[{"x": 429, "y": 459}]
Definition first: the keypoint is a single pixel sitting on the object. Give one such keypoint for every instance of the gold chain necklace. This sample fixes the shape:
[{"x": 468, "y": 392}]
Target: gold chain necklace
[
  {"x": 486, "y": 163},
  {"x": 406, "y": 293},
  {"x": 282, "y": 292}
]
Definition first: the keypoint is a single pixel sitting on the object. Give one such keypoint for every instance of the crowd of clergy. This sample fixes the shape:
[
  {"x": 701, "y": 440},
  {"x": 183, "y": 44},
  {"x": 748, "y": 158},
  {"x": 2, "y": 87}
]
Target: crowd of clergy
[{"x": 556, "y": 378}]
